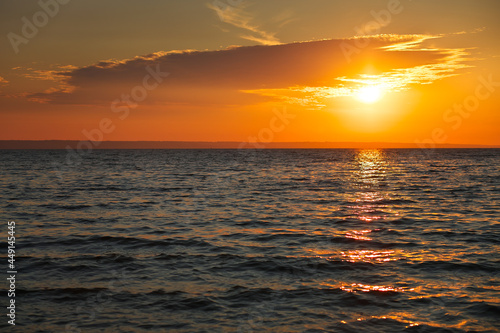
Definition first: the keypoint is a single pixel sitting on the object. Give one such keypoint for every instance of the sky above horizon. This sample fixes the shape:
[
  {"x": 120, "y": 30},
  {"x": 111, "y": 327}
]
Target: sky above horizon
[{"x": 413, "y": 71}]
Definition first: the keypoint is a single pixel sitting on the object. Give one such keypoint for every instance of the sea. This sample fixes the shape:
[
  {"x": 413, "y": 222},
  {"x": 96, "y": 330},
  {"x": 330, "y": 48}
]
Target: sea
[{"x": 306, "y": 240}]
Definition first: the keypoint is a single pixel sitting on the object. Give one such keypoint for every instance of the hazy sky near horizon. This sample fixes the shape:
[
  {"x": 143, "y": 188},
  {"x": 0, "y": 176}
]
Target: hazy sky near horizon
[{"x": 363, "y": 70}]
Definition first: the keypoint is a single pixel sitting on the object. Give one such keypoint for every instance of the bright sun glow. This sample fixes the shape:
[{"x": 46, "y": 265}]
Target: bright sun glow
[{"x": 369, "y": 94}]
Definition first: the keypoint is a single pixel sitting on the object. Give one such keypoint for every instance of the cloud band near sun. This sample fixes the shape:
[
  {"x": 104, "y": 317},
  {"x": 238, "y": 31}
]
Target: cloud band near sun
[{"x": 303, "y": 73}]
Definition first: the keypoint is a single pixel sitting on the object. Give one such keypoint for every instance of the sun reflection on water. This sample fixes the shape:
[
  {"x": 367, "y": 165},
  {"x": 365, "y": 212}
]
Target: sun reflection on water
[
  {"x": 359, "y": 287},
  {"x": 358, "y": 234},
  {"x": 368, "y": 177},
  {"x": 370, "y": 256},
  {"x": 365, "y": 288},
  {"x": 371, "y": 167}
]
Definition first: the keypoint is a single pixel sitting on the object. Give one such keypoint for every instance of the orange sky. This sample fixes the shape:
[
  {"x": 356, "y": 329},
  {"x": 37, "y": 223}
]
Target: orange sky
[{"x": 372, "y": 71}]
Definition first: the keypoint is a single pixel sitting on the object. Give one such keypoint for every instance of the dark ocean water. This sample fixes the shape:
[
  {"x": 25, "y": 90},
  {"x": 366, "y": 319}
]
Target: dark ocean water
[{"x": 254, "y": 241}]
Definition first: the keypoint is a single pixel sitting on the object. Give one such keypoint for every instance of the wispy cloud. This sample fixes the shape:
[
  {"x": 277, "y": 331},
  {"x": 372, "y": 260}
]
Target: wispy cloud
[
  {"x": 3, "y": 81},
  {"x": 56, "y": 75},
  {"x": 237, "y": 16}
]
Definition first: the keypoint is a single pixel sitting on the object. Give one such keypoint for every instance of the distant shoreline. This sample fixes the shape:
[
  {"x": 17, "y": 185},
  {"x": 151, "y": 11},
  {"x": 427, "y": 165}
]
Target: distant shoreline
[{"x": 75, "y": 144}]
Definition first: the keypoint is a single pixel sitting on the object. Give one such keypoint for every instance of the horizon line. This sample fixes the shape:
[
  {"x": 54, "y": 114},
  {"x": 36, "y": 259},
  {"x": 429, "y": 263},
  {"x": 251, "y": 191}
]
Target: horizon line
[{"x": 149, "y": 144}]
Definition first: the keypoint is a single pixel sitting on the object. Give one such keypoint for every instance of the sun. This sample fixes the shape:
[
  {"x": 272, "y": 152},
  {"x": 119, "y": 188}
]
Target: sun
[{"x": 369, "y": 94}]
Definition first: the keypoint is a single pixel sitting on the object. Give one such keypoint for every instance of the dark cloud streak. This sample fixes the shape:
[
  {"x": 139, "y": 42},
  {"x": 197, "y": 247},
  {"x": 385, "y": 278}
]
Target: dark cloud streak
[{"x": 219, "y": 77}]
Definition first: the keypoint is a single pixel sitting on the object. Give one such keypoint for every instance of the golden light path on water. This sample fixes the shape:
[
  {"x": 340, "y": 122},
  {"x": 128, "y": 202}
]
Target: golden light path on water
[
  {"x": 371, "y": 168},
  {"x": 369, "y": 206}
]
